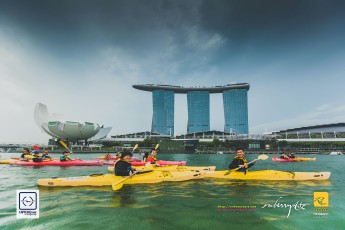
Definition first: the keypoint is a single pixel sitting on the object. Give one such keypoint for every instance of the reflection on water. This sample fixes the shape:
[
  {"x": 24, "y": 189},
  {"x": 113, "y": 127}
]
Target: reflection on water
[
  {"x": 272, "y": 184},
  {"x": 126, "y": 199}
]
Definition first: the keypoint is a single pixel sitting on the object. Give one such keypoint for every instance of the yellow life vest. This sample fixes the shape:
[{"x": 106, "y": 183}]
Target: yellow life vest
[{"x": 244, "y": 161}]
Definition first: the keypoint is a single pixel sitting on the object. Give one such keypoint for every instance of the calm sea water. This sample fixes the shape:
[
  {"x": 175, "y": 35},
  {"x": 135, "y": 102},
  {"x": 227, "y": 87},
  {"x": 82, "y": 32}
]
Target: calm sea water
[{"x": 182, "y": 205}]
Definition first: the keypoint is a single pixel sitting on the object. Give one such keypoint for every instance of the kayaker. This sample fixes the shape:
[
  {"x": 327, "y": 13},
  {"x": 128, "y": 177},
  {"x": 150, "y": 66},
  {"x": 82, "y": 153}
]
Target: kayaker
[
  {"x": 240, "y": 161},
  {"x": 284, "y": 156},
  {"x": 117, "y": 156},
  {"x": 123, "y": 166},
  {"x": 152, "y": 158},
  {"x": 45, "y": 156},
  {"x": 107, "y": 155},
  {"x": 24, "y": 156},
  {"x": 291, "y": 155},
  {"x": 36, "y": 157},
  {"x": 65, "y": 157},
  {"x": 146, "y": 155}
]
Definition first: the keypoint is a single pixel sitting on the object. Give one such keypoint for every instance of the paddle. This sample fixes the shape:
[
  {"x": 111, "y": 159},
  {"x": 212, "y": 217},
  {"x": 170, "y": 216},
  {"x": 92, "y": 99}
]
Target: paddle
[
  {"x": 70, "y": 151},
  {"x": 157, "y": 146},
  {"x": 65, "y": 146},
  {"x": 135, "y": 147},
  {"x": 261, "y": 157},
  {"x": 118, "y": 185}
]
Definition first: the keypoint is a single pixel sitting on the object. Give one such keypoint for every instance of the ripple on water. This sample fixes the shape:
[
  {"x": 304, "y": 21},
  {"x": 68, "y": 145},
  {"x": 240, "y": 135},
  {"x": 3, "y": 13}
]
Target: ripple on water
[{"x": 169, "y": 205}]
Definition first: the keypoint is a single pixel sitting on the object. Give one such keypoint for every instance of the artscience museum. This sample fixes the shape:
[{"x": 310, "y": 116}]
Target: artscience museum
[{"x": 59, "y": 128}]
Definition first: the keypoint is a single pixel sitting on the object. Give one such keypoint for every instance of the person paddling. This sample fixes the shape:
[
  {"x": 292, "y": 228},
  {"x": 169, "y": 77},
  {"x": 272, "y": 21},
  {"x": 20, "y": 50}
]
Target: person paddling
[
  {"x": 117, "y": 156},
  {"x": 36, "y": 157},
  {"x": 283, "y": 155},
  {"x": 152, "y": 158},
  {"x": 24, "y": 156},
  {"x": 291, "y": 155},
  {"x": 65, "y": 157},
  {"x": 123, "y": 166},
  {"x": 240, "y": 161},
  {"x": 45, "y": 156},
  {"x": 146, "y": 155}
]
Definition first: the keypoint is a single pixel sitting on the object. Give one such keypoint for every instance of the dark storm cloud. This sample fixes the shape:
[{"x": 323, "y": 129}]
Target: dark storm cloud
[
  {"x": 270, "y": 27},
  {"x": 145, "y": 26},
  {"x": 270, "y": 19},
  {"x": 133, "y": 24}
]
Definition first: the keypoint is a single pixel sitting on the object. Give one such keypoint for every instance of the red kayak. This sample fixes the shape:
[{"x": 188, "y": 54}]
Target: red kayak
[
  {"x": 114, "y": 158},
  {"x": 142, "y": 163},
  {"x": 107, "y": 158},
  {"x": 160, "y": 162},
  {"x": 278, "y": 159},
  {"x": 58, "y": 163}
]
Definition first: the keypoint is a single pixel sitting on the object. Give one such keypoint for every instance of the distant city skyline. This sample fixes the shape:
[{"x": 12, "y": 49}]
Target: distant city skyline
[{"x": 81, "y": 58}]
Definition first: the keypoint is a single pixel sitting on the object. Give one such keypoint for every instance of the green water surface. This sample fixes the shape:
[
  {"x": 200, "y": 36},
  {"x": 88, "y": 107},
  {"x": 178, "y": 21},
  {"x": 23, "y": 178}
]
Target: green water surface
[{"x": 176, "y": 205}]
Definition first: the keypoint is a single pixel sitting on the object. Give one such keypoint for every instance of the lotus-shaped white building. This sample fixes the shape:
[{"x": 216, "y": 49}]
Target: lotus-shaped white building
[{"x": 55, "y": 126}]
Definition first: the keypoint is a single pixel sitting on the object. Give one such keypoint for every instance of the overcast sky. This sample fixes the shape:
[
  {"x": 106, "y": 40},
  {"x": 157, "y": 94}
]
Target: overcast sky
[{"x": 81, "y": 58}]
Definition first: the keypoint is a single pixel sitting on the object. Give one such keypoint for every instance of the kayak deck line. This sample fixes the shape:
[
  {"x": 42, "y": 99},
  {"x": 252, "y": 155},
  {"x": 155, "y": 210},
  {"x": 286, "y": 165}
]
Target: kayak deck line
[
  {"x": 272, "y": 175},
  {"x": 207, "y": 169},
  {"x": 108, "y": 179}
]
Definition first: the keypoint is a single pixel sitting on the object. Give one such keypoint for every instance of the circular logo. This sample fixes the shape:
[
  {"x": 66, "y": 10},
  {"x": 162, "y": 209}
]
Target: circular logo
[{"x": 27, "y": 201}]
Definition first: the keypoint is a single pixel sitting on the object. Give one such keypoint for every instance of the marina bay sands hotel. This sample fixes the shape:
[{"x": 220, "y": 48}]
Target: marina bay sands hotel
[{"x": 235, "y": 102}]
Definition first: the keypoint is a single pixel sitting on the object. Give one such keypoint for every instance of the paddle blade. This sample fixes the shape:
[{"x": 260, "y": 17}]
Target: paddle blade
[
  {"x": 135, "y": 147},
  {"x": 263, "y": 157},
  {"x": 63, "y": 144},
  {"x": 116, "y": 186},
  {"x": 157, "y": 146}
]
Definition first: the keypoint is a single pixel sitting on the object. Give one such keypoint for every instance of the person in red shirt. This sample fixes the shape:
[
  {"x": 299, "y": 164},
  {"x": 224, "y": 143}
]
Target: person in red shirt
[{"x": 152, "y": 158}]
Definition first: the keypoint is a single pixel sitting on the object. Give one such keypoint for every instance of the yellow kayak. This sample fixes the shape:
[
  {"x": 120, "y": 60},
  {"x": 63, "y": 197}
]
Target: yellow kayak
[
  {"x": 268, "y": 175},
  {"x": 305, "y": 159},
  {"x": 207, "y": 169},
  {"x": 14, "y": 159},
  {"x": 7, "y": 161},
  {"x": 108, "y": 179}
]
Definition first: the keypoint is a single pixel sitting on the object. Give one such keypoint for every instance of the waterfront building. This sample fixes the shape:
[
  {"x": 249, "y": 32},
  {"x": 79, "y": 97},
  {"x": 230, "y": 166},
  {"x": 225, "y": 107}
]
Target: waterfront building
[
  {"x": 58, "y": 128},
  {"x": 235, "y": 111},
  {"x": 163, "y": 112},
  {"x": 235, "y": 102},
  {"x": 198, "y": 111}
]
